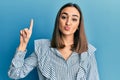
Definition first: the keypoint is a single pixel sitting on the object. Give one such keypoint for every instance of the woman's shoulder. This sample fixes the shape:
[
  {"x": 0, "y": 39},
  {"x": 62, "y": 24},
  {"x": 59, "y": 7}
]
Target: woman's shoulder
[
  {"x": 41, "y": 45},
  {"x": 91, "y": 48},
  {"x": 42, "y": 42}
]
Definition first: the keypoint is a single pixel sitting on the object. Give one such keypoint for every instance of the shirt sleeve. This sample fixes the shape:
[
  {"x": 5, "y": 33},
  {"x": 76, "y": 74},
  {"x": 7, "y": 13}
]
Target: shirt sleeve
[
  {"x": 20, "y": 67},
  {"x": 92, "y": 73}
]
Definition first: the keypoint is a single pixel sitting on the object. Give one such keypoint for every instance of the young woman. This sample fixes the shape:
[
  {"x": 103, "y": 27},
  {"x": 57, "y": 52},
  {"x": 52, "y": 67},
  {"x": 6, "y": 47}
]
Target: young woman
[{"x": 68, "y": 56}]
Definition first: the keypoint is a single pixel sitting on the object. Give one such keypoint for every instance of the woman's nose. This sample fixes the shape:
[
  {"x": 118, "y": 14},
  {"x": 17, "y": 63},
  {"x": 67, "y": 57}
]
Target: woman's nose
[{"x": 68, "y": 22}]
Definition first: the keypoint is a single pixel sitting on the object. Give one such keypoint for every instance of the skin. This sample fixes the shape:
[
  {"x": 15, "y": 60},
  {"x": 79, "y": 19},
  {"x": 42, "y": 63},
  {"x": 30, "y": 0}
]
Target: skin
[
  {"x": 69, "y": 21},
  {"x": 68, "y": 24},
  {"x": 25, "y": 35}
]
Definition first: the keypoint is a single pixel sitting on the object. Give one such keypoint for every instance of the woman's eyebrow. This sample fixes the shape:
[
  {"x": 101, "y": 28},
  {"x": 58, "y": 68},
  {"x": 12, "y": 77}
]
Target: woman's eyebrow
[
  {"x": 65, "y": 13},
  {"x": 75, "y": 15},
  {"x": 72, "y": 15}
]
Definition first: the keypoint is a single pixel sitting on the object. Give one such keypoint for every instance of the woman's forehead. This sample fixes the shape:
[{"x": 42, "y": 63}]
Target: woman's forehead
[{"x": 71, "y": 11}]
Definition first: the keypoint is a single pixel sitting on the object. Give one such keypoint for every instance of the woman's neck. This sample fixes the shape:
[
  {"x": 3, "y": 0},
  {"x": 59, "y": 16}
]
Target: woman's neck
[{"x": 68, "y": 40}]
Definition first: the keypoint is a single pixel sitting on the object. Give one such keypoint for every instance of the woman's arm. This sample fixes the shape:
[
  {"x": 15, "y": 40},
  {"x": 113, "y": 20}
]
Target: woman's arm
[
  {"x": 92, "y": 73},
  {"x": 20, "y": 67}
]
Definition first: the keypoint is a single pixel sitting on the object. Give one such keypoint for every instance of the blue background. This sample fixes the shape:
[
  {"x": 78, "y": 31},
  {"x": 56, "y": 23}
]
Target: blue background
[{"x": 102, "y": 24}]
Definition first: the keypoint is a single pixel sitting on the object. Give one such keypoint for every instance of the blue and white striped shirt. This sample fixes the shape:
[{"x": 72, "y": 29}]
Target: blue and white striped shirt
[{"x": 52, "y": 66}]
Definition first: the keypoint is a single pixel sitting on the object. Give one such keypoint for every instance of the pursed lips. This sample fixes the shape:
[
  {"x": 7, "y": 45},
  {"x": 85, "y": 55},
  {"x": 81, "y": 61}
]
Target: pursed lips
[{"x": 67, "y": 28}]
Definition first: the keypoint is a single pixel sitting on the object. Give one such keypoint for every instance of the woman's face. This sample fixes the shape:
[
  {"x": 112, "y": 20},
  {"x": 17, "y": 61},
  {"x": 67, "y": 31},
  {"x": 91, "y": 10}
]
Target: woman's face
[{"x": 69, "y": 21}]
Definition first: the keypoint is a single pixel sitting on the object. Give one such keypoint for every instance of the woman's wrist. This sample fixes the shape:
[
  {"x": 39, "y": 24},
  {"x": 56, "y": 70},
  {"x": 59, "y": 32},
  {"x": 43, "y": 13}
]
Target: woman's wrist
[{"x": 22, "y": 47}]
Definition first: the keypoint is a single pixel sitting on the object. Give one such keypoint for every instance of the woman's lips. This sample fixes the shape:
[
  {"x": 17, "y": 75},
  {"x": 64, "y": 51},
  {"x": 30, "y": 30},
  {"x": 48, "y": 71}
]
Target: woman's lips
[{"x": 67, "y": 28}]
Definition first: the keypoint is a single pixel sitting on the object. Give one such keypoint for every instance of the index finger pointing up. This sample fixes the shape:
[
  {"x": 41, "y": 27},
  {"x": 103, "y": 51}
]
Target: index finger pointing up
[{"x": 31, "y": 24}]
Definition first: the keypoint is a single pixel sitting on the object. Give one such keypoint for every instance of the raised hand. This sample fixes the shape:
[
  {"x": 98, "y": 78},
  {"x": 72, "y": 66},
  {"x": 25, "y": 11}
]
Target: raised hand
[{"x": 25, "y": 35}]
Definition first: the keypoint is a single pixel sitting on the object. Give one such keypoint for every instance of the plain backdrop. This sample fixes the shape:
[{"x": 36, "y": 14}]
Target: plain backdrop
[{"x": 102, "y": 26}]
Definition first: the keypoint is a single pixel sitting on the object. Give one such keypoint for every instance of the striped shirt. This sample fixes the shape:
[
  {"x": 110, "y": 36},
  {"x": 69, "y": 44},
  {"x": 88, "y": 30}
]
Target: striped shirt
[{"x": 52, "y": 66}]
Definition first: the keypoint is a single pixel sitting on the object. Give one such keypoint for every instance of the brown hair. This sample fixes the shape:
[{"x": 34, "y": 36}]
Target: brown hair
[{"x": 80, "y": 42}]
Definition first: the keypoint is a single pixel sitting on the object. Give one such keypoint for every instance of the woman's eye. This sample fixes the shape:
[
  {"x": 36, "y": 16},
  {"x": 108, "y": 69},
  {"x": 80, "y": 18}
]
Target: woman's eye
[
  {"x": 63, "y": 17},
  {"x": 74, "y": 19}
]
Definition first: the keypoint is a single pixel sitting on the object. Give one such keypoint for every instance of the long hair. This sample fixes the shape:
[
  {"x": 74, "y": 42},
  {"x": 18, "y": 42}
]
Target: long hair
[{"x": 80, "y": 42}]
